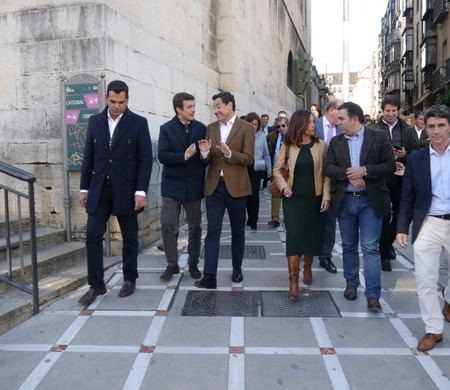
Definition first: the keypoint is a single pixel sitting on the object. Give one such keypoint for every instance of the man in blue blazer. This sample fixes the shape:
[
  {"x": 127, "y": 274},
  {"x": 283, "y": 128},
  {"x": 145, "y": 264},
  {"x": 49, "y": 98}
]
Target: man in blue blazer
[
  {"x": 425, "y": 200},
  {"x": 357, "y": 162},
  {"x": 115, "y": 175},
  {"x": 329, "y": 122},
  {"x": 183, "y": 179}
]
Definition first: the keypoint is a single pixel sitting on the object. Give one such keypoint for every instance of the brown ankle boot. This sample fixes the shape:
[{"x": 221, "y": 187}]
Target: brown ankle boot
[
  {"x": 294, "y": 269},
  {"x": 307, "y": 273}
]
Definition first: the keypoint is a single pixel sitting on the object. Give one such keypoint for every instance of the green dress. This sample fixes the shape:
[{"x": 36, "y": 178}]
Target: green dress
[{"x": 302, "y": 217}]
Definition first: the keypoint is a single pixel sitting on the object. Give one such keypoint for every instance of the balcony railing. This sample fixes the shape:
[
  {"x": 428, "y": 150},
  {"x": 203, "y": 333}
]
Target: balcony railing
[
  {"x": 438, "y": 80},
  {"x": 440, "y": 10},
  {"x": 408, "y": 81},
  {"x": 428, "y": 78}
]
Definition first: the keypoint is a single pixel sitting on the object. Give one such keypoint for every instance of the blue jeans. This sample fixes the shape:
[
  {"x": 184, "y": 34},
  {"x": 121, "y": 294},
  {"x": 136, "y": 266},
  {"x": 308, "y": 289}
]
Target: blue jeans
[{"x": 357, "y": 217}]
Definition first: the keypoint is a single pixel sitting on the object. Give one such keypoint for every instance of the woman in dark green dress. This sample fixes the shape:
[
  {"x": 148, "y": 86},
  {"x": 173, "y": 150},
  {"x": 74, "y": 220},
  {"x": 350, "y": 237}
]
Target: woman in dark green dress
[{"x": 306, "y": 196}]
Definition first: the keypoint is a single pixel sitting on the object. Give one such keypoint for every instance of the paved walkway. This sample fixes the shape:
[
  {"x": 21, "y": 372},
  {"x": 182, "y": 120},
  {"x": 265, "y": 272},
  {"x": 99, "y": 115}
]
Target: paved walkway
[{"x": 144, "y": 341}]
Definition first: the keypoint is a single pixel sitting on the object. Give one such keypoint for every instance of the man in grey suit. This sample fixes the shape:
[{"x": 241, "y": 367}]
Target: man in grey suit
[
  {"x": 329, "y": 122},
  {"x": 357, "y": 162}
]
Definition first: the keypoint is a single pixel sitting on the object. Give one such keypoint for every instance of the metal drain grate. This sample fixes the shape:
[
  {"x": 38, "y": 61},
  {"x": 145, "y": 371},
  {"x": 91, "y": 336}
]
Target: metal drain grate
[
  {"x": 221, "y": 303},
  {"x": 312, "y": 304},
  {"x": 250, "y": 252}
]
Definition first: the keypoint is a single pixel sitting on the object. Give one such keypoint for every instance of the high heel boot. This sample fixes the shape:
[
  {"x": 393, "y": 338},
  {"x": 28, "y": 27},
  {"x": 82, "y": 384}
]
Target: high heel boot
[
  {"x": 307, "y": 273},
  {"x": 294, "y": 269}
]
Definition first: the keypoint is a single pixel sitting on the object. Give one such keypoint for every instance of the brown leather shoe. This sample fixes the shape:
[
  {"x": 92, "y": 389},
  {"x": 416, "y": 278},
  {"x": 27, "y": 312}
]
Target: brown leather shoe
[
  {"x": 373, "y": 304},
  {"x": 428, "y": 341},
  {"x": 446, "y": 311},
  {"x": 127, "y": 289},
  {"x": 90, "y": 295},
  {"x": 350, "y": 293}
]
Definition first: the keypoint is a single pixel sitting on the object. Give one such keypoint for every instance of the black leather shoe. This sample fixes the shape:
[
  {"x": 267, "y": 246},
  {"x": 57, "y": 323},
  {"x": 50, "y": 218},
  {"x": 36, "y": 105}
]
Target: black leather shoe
[
  {"x": 350, "y": 293},
  {"x": 237, "y": 276},
  {"x": 127, "y": 289},
  {"x": 160, "y": 247},
  {"x": 208, "y": 281},
  {"x": 392, "y": 253},
  {"x": 328, "y": 265},
  {"x": 91, "y": 294},
  {"x": 386, "y": 265},
  {"x": 169, "y": 272},
  {"x": 373, "y": 304},
  {"x": 273, "y": 224},
  {"x": 194, "y": 271}
]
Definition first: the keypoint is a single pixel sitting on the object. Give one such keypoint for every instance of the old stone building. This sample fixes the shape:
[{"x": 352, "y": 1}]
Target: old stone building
[{"x": 158, "y": 47}]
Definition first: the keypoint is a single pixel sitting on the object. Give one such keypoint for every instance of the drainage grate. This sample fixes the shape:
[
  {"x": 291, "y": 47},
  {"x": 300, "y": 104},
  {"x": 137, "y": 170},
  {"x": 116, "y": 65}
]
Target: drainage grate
[
  {"x": 221, "y": 303},
  {"x": 250, "y": 252},
  {"x": 312, "y": 304}
]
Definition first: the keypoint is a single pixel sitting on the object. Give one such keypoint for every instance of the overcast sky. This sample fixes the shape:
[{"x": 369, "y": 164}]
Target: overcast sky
[{"x": 327, "y": 33}]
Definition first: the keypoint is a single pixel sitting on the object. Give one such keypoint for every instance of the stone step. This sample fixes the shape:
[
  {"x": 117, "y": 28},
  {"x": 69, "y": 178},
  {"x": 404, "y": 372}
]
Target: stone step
[
  {"x": 16, "y": 306},
  {"x": 13, "y": 225}
]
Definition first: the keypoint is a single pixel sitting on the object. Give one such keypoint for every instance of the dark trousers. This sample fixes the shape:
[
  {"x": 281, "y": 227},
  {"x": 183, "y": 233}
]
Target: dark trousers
[
  {"x": 96, "y": 228},
  {"x": 253, "y": 199},
  {"x": 329, "y": 236},
  {"x": 389, "y": 229},
  {"x": 216, "y": 204}
]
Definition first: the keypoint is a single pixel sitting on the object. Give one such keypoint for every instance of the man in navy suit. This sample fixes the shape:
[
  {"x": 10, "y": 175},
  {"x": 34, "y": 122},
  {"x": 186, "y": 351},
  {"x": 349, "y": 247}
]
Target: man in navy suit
[
  {"x": 357, "y": 162},
  {"x": 329, "y": 122},
  {"x": 115, "y": 175},
  {"x": 183, "y": 179},
  {"x": 425, "y": 200}
]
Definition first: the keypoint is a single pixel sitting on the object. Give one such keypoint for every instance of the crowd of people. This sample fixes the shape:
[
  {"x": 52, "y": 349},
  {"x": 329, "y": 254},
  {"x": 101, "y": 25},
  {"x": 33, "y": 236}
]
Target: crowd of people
[{"x": 372, "y": 177}]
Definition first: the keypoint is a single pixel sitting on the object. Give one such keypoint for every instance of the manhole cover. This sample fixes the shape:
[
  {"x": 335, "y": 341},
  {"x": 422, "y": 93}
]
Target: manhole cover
[
  {"x": 312, "y": 304},
  {"x": 221, "y": 303},
  {"x": 250, "y": 252}
]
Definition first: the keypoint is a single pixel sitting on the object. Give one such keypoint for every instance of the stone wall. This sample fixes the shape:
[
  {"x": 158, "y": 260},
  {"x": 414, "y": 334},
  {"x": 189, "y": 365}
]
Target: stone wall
[{"x": 158, "y": 47}]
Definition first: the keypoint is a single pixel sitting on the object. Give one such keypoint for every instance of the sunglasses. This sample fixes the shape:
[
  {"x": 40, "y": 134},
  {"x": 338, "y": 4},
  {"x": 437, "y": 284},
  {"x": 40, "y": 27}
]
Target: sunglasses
[{"x": 281, "y": 126}]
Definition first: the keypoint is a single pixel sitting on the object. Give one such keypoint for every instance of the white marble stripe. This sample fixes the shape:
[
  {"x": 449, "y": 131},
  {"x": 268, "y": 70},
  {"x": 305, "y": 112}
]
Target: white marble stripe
[
  {"x": 236, "y": 372},
  {"x": 116, "y": 277},
  {"x": 335, "y": 372},
  {"x": 321, "y": 333},
  {"x": 26, "y": 347},
  {"x": 237, "y": 332},
  {"x": 409, "y": 315},
  {"x": 374, "y": 351},
  {"x": 98, "y": 300},
  {"x": 404, "y": 332},
  {"x": 40, "y": 371},
  {"x": 72, "y": 330},
  {"x": 122, "y": 313},
  {"x": 434, "y": 372},
  {"x": 60, "y": 312},
  {"x": 166, "y": 299},
  {"x": 438, "y": 351},
  {"x": 194, "y": 350},
  {"x": 162, "y": 287},
  {"x": 103, "y": 348},
  {"x": 152, "y": 336},
  {"x": 281, "y": 351},
  {"x": 137, "y": 372}
]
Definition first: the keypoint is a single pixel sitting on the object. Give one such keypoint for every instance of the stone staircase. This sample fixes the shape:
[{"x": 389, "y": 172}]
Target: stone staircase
[{"x": 61, "y": 268}]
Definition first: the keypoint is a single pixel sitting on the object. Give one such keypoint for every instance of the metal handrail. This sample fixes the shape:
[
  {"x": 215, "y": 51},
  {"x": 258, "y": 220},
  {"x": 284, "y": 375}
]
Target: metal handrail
[{"x": 25, "y": 176}]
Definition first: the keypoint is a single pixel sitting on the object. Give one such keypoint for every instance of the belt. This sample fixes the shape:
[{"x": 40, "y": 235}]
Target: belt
[
  {"x": 445, "y": 216},
  {"x": 357, "y": 193}
]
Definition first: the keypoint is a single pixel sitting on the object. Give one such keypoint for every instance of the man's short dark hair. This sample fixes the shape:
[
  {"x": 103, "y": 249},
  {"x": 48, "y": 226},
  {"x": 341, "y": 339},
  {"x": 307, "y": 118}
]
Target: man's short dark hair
[
  {"x": 330, "y": 105},
  {"x": 282, "y": 112},
  {"x": 117, "y": 86},
  {"x": 437, "y": 111},
  {"x": 282, "y": 118},
  {"x": 393, "y": 100},
  {"x": 226, "y": 97},
  {"x": 417, "y": 114},
  {"x": 179, "y": 98},
  {"x": 264, "y": 116},
  {"x": 353, "y": 110}
]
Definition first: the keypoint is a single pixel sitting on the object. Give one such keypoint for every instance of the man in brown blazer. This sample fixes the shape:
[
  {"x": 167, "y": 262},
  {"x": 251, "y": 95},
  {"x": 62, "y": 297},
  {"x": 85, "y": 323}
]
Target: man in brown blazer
[{"x": 228, "y": 149}]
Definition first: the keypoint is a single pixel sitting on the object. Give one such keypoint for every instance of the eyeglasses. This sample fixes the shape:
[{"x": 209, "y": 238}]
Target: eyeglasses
[{"x": 283, "y": 125}]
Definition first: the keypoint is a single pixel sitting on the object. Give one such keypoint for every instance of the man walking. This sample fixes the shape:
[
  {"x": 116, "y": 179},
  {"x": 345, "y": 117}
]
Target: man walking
[
  {"x": 115, "y": 175},
  {"x": 425, "y": 200},
  {"x": 357, "y": 161},
  {"x": 228, "y": 149},
  {"x": 183, "y": 179}
]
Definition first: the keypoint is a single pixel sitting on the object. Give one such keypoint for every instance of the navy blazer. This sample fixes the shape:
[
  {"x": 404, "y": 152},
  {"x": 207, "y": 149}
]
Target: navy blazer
[
  {"x": 377, "y": 156},
  {"x": 181, "y": 179},
  {"x": 416, "y": 193},
  {"x": 127, "y": 160},
  {"x": 318, "y": 123}
]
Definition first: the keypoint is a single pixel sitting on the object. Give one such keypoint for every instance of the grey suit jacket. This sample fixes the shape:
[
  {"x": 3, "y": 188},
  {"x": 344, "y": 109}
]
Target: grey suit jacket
[
  {"x": 319, "y": 128},
  {"x": 377, "y": 156}
]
